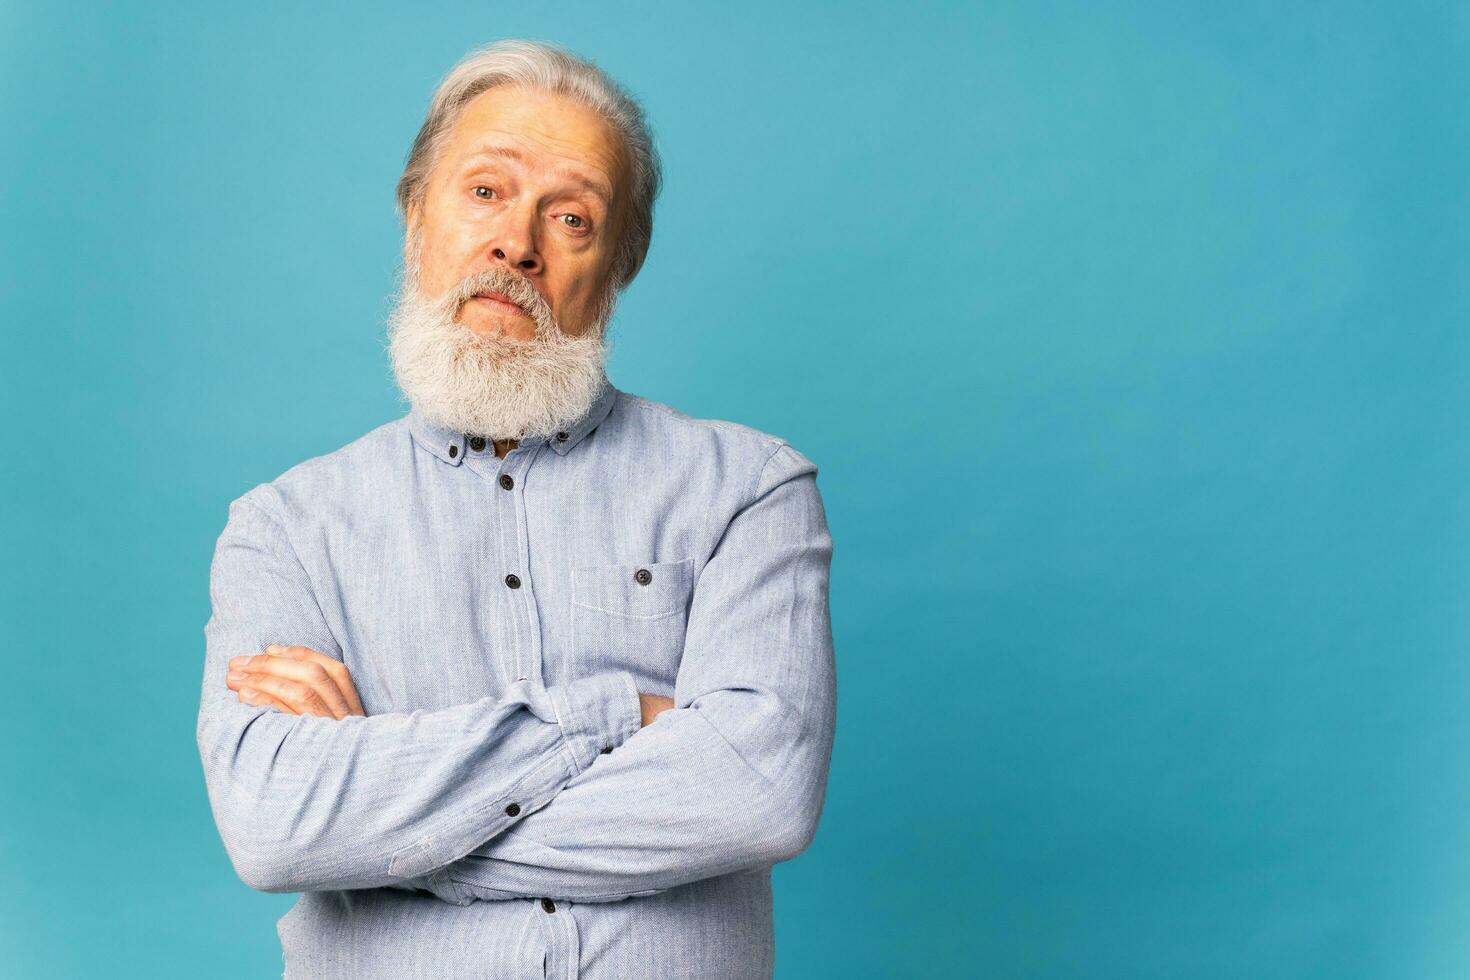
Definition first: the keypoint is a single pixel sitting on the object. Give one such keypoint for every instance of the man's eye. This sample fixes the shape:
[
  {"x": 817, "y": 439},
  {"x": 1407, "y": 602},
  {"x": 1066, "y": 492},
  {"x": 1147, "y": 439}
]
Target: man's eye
[
  {"x": 487, "y": 192},
  {"x": 574, "y": 220}
]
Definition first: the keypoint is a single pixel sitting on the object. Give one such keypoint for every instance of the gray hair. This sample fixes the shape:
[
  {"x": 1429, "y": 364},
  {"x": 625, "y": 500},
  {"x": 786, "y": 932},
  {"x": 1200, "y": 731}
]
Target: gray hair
[{"x": 541, "y": 65}]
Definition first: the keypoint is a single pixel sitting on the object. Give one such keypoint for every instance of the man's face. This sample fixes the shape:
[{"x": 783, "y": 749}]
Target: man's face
[{"x": 527, "y": 182}]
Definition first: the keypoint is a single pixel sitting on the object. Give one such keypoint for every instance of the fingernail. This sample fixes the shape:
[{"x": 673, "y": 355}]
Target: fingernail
[
  {"x": 274, "y": 648},
  {"x": 236, "y": 675},
  {"x": 237, "y": 661},
  {"x": 249, "y": 692}
]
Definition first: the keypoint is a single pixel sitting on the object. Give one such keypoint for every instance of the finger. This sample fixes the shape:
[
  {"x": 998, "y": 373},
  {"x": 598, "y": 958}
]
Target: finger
[
  {"x": 303, "y": 697},
  {"x": 250, "y": 695},
  {"x": 299, "y": 695},
  {"x": 312, "y": 674},
  {"x": 336, "y": 668},
  {"x": 242, "y": 682}
]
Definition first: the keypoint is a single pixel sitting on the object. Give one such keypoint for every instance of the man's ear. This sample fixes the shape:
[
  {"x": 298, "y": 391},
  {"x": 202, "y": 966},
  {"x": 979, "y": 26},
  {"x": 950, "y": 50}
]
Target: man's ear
[{"x": 411, "y": 217}]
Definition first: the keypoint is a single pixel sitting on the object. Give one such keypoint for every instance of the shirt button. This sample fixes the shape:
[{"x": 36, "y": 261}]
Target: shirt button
[
  {"x": 513, "y": 810},
  {"x": 477, "y": 443},
  {"x": 506, "y": 482},
  {"x": 453, "y": 451},
  {"x": 548, "y": 905},
  {"x": 643, "y": 576},
  {"x": 513, "y": 581},
  {"x": 561, "y": 437}
]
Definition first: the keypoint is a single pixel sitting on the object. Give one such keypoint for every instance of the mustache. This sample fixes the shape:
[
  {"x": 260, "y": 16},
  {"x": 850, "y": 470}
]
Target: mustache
[
  {"x": 446, "y": 305},
  {"x": 497, "y": 280}
]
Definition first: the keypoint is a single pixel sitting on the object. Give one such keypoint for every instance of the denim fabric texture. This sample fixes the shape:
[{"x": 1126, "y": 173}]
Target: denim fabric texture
[{"x": 499, "y": 812}]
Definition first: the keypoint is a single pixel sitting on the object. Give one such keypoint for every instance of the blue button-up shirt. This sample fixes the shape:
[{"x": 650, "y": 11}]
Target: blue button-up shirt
[{"x": 499, "y": 812}]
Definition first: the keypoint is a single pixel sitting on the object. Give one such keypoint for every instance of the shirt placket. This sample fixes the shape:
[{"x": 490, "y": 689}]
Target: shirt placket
[
  {"x": 563, "y": 941},
  {"x": 520, "y": 626},
  {"x": 521, "y": 634}
]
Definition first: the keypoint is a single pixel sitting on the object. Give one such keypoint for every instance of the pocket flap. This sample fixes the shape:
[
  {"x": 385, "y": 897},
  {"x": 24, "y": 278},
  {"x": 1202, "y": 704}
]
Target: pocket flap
[{"x": 651, "y": 590}]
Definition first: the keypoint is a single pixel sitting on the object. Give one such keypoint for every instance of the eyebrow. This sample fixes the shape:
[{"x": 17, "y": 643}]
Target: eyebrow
[{"x": 512, "y": 153}]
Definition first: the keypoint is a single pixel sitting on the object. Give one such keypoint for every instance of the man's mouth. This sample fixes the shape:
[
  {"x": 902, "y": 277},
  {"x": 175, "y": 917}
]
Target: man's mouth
[{"x": 499, "y": 301}]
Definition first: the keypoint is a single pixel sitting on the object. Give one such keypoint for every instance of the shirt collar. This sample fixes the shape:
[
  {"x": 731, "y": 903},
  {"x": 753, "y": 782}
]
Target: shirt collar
[{"x": 450, "y": 445}]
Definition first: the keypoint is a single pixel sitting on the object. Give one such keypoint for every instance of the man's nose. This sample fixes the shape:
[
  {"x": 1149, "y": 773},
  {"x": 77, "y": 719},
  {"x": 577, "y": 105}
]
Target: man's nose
[{"x": 514, "y": 241}]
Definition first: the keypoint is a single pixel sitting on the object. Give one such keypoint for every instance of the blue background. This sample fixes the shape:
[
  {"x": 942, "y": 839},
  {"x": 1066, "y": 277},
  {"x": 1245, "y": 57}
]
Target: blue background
[{"x": 1130, "y": 341}]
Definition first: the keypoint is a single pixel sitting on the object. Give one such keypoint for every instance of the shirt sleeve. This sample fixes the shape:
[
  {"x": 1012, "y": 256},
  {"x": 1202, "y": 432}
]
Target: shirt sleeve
[
  {"x": 305, "y": 802},
  {"x": 734, "y": 775}
]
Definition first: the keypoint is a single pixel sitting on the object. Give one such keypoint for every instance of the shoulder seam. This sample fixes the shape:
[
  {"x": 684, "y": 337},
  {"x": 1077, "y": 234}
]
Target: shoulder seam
[
  {"x": 250, "y": 498},
  {"x": 759, "y": 436},
  {"x": 330, "y": 455},
  {"x": 755, "y": 486}
]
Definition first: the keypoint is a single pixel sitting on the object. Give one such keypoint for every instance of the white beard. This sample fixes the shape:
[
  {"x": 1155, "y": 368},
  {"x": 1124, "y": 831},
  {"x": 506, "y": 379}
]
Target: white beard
[{"x": 496, "y": 386}]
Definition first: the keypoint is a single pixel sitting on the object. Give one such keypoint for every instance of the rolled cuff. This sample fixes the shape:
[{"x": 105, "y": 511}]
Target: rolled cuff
[{"x": 596, "y": 713}]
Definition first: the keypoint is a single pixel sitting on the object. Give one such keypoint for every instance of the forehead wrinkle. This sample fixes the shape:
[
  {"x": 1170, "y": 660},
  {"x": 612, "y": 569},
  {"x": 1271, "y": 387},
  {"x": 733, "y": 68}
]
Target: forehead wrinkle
[{"x": 499, "y": 150}]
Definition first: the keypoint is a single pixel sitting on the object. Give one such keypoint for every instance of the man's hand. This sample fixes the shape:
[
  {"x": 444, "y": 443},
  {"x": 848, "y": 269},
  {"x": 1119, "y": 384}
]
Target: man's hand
[
  {"x": 652, "y": 705},
  {"x": 297, "y": 680}
]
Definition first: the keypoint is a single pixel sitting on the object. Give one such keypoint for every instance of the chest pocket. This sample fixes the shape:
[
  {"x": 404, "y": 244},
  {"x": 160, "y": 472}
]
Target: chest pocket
[{"x": 633, "y": 617}]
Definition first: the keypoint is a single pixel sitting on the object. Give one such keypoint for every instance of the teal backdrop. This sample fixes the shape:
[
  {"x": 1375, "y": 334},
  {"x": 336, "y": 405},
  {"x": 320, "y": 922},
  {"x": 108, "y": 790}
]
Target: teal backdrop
[{"x": 1130, "y": 341}]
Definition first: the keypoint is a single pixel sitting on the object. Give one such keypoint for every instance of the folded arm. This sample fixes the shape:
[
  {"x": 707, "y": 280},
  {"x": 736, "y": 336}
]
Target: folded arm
[
  {"x": 734, "y": 775},
  {"x": 305, "y": 802}
]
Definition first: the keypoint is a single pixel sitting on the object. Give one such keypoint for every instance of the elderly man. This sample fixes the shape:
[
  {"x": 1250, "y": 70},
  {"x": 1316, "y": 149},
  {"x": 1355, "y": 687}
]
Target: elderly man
[{"x": 536, "y": 680}]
